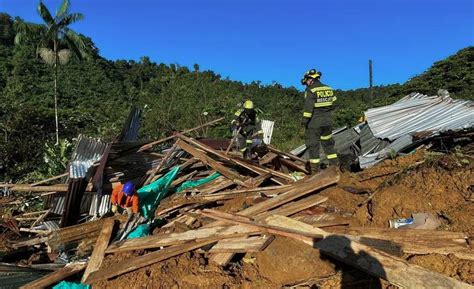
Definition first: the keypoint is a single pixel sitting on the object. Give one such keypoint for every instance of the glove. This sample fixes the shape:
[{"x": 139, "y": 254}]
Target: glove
[{"x": 114, "y": 209}]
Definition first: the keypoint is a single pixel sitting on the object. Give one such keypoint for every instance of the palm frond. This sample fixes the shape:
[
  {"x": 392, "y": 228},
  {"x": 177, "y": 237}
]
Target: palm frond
[
  {"x": 45, "y": 14},
  {"x": 47, "y": 55},
  {"x": 70, "y": 19},
  {"x": 76, "y": 43},
  {"x": 63, "y": 10},
  {"x": 64, "y": 55}
]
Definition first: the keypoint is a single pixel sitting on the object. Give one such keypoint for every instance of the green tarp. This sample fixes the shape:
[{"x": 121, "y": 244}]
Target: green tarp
[
  {"x": 192, "y": 184},
  {"x": 141, "y": 231},
  {"x": 151, "y": 195},
  {"x": 71, "y": 285}
]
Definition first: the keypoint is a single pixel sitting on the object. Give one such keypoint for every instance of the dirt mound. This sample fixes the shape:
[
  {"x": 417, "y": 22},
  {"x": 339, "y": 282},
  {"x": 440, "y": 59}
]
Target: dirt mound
[
  {"x": 285, "y": 261},
  {"x": 185, "y": 271},
  {"x": 447, "y": 265},
  {"x": 416, "y": 183}
]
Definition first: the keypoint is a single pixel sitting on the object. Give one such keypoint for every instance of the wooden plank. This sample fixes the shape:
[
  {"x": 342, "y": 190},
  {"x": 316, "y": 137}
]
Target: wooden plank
[
  {"x": 251, "y": 244},
  {"x": 236, "y": 178},
  {"x": 297, "y": 206},
  {"x": 222, "y": 184},
  {"x": 293, "y": 166},
  {"x": 414, "y": 241},
  {"x": 50, "y": 179},
  {"x": 150, "y": 145},
  {"x": 299, "y": 189},
  {"x": 395, "y": 270},
  {"x": 239, "y": 220},
  {"x": 257, "y": 181},
  {"x": 56, "y": 276},
  {"x": 164, "y": 160},
  {"x": 145, "y": 260},
  {"x": 39, "y": 189},
  {"x": 289, "y": 155},
  {"x": 317, "y": 182},
  {"x": 79, "y": 232},
  {"x": 267, "y": 158},
  {"x": 254, "y": 168},
  {"x": 99, "y": 249},
  {"x": 161, "y": 240}
]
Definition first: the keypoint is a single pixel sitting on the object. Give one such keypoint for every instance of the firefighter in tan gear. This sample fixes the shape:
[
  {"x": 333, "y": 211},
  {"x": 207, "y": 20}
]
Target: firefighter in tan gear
[
  {"x": 247, "y": 128},
  {"x": 317, "y": 119}
]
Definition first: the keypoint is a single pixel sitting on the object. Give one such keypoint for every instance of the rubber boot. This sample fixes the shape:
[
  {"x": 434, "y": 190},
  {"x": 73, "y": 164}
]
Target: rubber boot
[{"x": 314, "y": 169}]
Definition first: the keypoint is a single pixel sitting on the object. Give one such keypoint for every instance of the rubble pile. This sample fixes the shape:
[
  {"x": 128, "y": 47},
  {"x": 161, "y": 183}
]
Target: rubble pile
[{"x": 213, "y": 219}]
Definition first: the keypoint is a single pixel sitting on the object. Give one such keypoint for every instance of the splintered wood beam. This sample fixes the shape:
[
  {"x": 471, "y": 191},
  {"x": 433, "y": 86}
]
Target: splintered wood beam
[
  {"x": 56, "y": 276},
  {"x": 292, "y": 165},
  {"x": 251, "y": 167},
  {"x": 299, "y": 189},
  {"x": 379, "y": 264},
  {"x": 413, "y": 241},
  {"x": 238, "y": 179},
  {"x": 162, "y": 240},
  {"x": 150, "y": 145},
  {"x": 289, "y": 155},
  {"x": 251, "y": 244},
  {"x": 145, "y": 260},
  {"x": 164, "y": 160},
  {"x": 239, "y": 220},
  {"x": 50, "y": 179},
  {"x": 99, "y": 249},
  {"x": 295, "y": 207},
  {"x": 257, "y": 181}
]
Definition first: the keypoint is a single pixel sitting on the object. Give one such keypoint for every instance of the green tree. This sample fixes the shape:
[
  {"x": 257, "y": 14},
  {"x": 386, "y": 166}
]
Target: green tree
[{"x": 57, "y": 42}]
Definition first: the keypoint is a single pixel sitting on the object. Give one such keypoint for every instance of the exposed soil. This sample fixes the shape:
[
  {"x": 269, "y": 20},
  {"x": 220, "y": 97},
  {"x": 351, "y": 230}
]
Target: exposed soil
[{"x": 417, "y": 183}]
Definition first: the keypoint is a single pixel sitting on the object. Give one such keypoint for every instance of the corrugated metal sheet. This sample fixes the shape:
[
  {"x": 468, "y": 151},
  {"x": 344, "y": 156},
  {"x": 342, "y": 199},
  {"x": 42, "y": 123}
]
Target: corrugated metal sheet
[
  {"x": 13, "y": 276},
  {"x": 417, "y": 112},
  {"x": 57, "y": 203},
  {"x": 131, "y": 126},
  {"x": 86, "y": 153},
  {"x": 369, "y": 160},
  {"x": 343, "y": 139},
  {"x": 267, "y": 127},
  {"x": 72, "y": 208},
  {"x": 100, "y": 205},
  {"x": 51, "y": 225}
]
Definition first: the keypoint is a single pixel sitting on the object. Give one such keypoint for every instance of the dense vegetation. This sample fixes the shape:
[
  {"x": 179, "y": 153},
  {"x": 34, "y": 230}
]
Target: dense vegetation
[{"x": 95, "y": 95}]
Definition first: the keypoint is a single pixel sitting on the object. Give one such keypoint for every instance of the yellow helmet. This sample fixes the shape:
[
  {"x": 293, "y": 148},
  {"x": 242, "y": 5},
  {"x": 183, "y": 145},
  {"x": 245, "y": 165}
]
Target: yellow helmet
[
  {"x": 248, "y": 104},
  {"x": 312, "y": 73}
]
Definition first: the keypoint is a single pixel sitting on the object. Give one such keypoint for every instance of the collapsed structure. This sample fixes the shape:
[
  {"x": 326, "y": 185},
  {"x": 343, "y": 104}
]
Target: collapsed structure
[
  {"x": 402, "y": 126},
  {"x": 185, "y": 189}
]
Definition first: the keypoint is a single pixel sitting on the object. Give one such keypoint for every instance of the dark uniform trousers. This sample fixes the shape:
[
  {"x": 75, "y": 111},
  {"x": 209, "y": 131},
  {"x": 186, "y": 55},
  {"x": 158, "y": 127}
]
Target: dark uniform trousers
[
  {"x": 319, "y": 132},
  {"x": 317, "y": 118}
]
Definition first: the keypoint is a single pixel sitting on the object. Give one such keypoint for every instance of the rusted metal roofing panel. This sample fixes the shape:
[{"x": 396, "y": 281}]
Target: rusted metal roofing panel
[{"x": 417, "y": 112}]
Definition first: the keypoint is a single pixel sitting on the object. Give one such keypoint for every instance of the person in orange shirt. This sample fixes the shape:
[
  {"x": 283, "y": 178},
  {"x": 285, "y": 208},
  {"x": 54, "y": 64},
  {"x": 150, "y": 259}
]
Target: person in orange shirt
[{"x": 125, "y": 197}]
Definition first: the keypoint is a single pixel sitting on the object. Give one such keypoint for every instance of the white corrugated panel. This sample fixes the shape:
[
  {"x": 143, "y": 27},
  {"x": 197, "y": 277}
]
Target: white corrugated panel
[
  {"x": 417, "y": 113},
  {"x": 267, "y": 127}
]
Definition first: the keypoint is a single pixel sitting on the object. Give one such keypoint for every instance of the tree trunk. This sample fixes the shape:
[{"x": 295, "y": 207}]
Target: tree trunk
[{"x": 56, "y": 90}]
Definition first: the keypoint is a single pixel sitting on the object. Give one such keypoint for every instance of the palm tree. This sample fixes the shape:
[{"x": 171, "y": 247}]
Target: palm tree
[{"x": 57, "y": 42}]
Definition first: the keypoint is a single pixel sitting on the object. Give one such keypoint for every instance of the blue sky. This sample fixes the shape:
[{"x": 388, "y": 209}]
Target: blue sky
[{"x": 277, "y": 40}]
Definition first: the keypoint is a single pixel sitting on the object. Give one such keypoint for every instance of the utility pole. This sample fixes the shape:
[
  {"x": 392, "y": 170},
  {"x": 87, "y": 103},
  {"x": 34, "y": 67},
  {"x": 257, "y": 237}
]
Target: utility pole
[{"x": 370, "y": 81}]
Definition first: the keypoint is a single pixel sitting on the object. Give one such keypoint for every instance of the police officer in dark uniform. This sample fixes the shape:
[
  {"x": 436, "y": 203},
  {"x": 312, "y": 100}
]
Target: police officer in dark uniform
[{"x": 317, "y": 119}]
